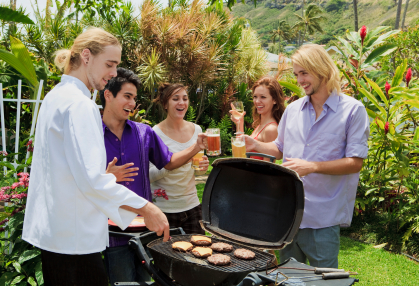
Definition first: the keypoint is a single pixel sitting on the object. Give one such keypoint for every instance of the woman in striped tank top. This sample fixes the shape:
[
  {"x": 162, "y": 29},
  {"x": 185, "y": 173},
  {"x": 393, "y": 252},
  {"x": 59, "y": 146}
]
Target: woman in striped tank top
[{"x": 268, "y": 107}]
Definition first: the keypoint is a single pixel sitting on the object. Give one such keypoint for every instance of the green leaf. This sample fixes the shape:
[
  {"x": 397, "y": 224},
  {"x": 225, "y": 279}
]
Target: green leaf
[
  {"x": 380, "y": 51},
  {"x": 414, "y": 103},
  {"x": 16, "y": 220},
  {"x": 9, "y": 15},
  {"x": 416, "y": 137},
  {"x": 29, "y": 254},
  {"x": 17, "y": 280},
  {"x": 348, "y": 47},
  {"x": 8, "y": 165},
  {"x": 398, "y": 75},
  {"x": 38, "y": 273},
  {"x": 22, "y": 54},
  {"x": 31, "y": 281},
  {"x": 380, "y": 123},
  {"x": 378, "y": 90},
  {"x": 373, "y": 100},
  {"x": 294, "y": 88},
  {"x": 14, "y": 62},
  {"x": 17, "y": 266},
  {"x": 372, "y": 114},
  {"x": 7, "y": 277}
]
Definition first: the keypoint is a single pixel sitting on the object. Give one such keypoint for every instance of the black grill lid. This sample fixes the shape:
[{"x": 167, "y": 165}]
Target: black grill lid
[{"x": 254, "y": 202}]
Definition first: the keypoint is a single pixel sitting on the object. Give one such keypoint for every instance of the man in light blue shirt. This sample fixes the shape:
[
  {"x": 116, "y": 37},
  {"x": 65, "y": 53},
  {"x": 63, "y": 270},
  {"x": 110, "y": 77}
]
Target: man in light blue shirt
[{"x": 323, "y": 137}]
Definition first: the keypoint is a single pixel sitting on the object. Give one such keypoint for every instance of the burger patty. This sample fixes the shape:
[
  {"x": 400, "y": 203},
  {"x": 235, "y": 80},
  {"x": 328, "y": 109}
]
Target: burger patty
[
  {"x": 182, "y": 246},
  {"x": 221, "y": 247},
  {"x": 244, "y": 254},
  {"x": 200, "y": 240},
  {"x": 219, "y": 259},
  {"x": 202, "y": 252}
]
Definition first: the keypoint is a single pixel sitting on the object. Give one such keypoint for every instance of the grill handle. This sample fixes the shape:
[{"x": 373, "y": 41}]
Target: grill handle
[
  {"x": 156, "y": 274},
  {"x": 271, "y": 158}
]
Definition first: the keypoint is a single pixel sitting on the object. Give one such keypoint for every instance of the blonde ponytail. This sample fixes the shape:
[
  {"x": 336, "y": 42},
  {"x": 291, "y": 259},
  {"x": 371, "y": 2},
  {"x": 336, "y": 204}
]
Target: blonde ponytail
[
  {"x": 62, "y": 60},
  {"x": 94, "y": 39}
]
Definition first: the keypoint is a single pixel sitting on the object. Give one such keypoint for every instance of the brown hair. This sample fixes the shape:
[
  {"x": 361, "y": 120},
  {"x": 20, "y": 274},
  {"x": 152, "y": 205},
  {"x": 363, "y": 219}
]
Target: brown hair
[
  {"x": 275, "y": 90},
  {"x": 165, "y": 91},
  {"x": 94, "y": 39}
]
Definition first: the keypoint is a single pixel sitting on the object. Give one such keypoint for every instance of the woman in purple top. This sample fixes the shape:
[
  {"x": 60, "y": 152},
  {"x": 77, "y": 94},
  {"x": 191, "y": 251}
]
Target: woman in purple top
[{"x": 130, "y": 146}]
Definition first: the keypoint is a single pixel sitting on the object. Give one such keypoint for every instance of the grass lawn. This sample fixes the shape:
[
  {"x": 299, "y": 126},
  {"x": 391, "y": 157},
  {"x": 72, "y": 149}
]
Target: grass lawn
[{"x": 375, "y": 266}]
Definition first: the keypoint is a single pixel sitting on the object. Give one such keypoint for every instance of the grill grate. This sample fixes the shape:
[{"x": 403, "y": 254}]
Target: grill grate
[{"x": 262, "y": 259}]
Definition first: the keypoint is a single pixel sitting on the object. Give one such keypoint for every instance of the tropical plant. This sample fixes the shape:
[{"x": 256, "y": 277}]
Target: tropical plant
[
  {"x": 311, "y": 20},
  {"x": 407, "y": 48},
  {"x": 21, "y": 263},
  {"x": 361, "y": 51},
  {"x": 282, "y": 31},
  {"x": 393, "y": 156},
  {"x": 10, "y": 15}
]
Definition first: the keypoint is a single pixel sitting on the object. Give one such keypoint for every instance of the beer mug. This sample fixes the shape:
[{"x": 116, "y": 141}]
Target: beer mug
[
  {"x": 238, "y": 146},
  {"x": 196, "y": 159},
  {"x": 214, "y": 142}
]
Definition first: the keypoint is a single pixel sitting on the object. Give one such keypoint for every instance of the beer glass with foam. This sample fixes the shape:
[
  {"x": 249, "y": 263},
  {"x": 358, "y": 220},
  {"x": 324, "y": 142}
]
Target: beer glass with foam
[
  {"x": 214, "y": 142},
  {"x": 238, "y": 147}
]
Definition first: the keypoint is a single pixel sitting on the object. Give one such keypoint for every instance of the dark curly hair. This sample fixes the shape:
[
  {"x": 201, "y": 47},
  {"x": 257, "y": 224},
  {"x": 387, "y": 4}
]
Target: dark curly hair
[{"x": 116, "y": 83}]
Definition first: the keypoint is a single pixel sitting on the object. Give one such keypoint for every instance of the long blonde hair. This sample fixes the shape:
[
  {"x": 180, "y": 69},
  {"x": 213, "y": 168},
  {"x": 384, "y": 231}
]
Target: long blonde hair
[
  {"x": 94, "y": 39},
  {"x": 315, "y": 60}
]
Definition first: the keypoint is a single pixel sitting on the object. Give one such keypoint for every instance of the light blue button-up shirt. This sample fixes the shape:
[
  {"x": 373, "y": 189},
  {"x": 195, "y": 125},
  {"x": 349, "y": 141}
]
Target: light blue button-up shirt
[{"x": 341, "y": 130}]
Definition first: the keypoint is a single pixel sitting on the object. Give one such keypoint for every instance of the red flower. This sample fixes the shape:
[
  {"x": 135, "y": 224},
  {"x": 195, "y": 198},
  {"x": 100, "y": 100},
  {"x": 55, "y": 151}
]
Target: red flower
[
  {"x": 160, "y": 193},
  {"x": 387, "y": 87},
  {"x": 30, "y": 146},
  {"x": 386, "y": 128},
  {"x": 408, "y": 76},
  {"x": 363, "y": 33}
]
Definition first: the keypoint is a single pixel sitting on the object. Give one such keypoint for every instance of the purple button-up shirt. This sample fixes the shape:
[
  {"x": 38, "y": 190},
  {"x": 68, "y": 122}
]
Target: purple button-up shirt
[
  {"x": 341, "y": 130},
  {"x": 140, "y": 145}
]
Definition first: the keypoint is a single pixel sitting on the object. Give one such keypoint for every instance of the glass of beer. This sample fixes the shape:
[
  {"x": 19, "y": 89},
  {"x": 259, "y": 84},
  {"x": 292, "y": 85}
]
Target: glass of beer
[
  {"x": 214, "y": 142},
  {"x": 196, "y": 159},
  {"x": 238, "y": 146}
]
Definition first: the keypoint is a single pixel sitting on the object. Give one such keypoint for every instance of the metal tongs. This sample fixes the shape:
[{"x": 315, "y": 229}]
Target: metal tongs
[{"x": 324, "y": 273}]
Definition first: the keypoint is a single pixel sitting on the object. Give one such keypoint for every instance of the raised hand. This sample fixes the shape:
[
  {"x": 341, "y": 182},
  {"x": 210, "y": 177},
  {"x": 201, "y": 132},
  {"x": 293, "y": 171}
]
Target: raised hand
[
  {"x": 250, "y": 143},
  {"x": 122, "y": 173},
  {"x": 202, "y": 141},
  {"x": 204, "y": 163},
  {"x": 236, "y": 116}
]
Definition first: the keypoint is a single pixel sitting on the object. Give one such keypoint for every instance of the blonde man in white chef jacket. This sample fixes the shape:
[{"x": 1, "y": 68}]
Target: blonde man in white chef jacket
[{"x": 70, "y": 196}]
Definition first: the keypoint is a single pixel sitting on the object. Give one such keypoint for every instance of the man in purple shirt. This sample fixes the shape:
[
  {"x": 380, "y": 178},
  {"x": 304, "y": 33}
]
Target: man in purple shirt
[
  {"x": 130, "y": 146},
  {"x": 323, "y": 137}
]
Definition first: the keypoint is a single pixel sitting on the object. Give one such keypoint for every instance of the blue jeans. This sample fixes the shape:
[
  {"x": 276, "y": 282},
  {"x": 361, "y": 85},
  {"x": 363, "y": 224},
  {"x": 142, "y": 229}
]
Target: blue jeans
[
  {"x": 123, "y": 265},
  {"x": 319, "y": 246}
]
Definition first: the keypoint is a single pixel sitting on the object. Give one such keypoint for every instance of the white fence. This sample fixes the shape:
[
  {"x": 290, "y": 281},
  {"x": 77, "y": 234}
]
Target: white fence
[{"x": 19, "y": 101}]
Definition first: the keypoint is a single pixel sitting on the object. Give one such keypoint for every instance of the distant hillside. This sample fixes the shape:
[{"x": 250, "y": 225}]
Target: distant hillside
[{"x": 371, "y": 13}]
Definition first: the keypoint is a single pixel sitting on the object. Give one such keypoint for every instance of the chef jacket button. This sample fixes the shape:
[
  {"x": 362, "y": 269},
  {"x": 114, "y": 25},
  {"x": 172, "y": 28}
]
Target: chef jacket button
[
  {"x": 308, "y": 144},
  {"x": 122, "y": 154},
  {"x": 116, "y": 139},
  {"x": 127, "y": 183}
]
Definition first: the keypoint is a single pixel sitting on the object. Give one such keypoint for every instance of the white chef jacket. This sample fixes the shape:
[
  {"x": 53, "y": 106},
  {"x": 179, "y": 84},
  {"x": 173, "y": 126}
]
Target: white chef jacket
[{"x": 70, "y": 198}]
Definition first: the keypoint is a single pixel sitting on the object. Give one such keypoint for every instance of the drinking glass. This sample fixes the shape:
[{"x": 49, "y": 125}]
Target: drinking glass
[
  {"x": 196, "y": 159},
  {"x": 214, "y": 142},
  {"x": 238, "y": 146},
  {"x": 237, "y": 113}
]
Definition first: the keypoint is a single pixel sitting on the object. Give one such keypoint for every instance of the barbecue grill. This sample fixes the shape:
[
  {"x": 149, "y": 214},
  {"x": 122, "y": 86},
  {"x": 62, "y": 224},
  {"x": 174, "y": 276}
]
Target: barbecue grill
[{"x": 247, "y": 203}]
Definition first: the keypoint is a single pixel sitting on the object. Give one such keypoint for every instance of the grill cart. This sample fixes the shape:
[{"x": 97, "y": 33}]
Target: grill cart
[{"x": 249, "y": 204}]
